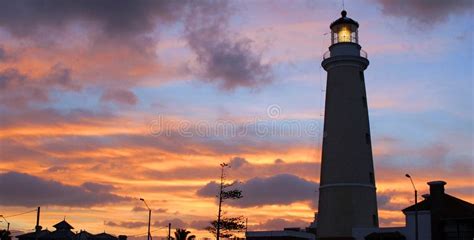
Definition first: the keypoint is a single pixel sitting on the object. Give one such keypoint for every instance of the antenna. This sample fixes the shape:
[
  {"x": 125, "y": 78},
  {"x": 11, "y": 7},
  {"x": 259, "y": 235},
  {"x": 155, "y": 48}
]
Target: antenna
[{"x": 343, "y": 7}]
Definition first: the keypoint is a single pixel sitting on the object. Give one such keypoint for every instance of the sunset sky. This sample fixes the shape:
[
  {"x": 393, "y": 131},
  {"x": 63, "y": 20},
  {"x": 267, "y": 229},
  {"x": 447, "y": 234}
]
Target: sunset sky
[{"x": 105, "y": 102}]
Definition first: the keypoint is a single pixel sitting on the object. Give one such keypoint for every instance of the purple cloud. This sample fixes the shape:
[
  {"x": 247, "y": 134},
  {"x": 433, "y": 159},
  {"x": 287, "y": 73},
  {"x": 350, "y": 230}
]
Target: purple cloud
[
  {"x": 229, "y": 62},
  {"x": 126, "y": 224},
  {"x": 122, "y": 18},
  {"x": 425, "y": 11},
  {"x": 119, "y": 96},
  {"x": 27, "y": 190},
  {"x": 175, "y": 223},
  {"x": 268, "y": 191},
  {"x": 17, "y": 89},
  {"x": 142, "y": 209}
]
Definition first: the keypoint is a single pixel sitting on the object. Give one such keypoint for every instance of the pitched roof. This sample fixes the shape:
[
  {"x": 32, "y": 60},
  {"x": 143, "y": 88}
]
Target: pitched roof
[
  {"x": 83, "y": 235},
  {"x": 452, "y": 207},
  {"x": 63, "y": 225},
  {"x": 104, "y": 236}
]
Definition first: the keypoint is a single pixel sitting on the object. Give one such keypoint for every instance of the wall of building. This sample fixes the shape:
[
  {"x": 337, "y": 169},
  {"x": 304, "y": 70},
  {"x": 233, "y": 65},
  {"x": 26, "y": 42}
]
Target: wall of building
[{"x": 424, "y": 225}]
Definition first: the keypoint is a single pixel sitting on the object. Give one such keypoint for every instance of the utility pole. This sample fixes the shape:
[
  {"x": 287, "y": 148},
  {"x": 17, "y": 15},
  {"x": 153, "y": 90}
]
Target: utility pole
[
  {"x": 38, "y": 219},
  {"x": 38, "y": 227},
  {"x": 221, "y": 188},
  {"x": 169, "y": 231},
  {"x": 416, "y": 205},
  {"x": 8, "y": 223},
  {"x": 149, "y": 218}
]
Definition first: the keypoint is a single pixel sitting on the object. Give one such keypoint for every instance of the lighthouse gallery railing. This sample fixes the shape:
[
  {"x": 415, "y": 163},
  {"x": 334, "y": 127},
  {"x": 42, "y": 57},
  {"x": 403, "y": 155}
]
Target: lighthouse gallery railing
[{"x": 327, "y": 54}]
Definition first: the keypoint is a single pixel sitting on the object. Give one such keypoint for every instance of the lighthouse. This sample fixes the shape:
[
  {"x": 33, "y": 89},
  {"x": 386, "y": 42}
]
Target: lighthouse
[{"x": 347, "y": 193}]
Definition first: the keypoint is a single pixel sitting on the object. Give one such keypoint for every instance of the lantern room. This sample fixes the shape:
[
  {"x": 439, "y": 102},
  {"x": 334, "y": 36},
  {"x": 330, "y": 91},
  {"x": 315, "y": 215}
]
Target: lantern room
[{"x": 344, "y": 29}]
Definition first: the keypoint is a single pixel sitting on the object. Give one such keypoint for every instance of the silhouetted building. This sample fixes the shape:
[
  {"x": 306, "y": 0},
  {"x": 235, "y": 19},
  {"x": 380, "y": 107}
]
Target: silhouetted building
[
  {"x": 286, "y": 234},
  {"x": 443, "y": 217},
  {"x": 440, "y": 217},
  {"x": 64, "y": 232},
  {"x": 347, "y": 196}
]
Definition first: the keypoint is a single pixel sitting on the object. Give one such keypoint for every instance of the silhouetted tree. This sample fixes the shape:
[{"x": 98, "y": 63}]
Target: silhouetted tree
[
  {"x": 182, "y": 234},
  {"x": 228, "y": 225},
  {"x": 5, "y": 235}
]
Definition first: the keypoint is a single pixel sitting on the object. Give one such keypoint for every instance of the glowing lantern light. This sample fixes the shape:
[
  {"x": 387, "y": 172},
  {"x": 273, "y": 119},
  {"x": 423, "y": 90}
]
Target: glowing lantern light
[{"x": 344, "y": 34}]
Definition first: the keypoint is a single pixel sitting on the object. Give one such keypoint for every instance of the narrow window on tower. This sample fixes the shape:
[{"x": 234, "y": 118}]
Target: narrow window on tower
[
  {"x": 371, "y": 178},
  {"x": 364, "y": 101},
  {"x": 361, "y": 76},
  {"x": 374, "y": 220},
  {"x": 367, "y": 138}
]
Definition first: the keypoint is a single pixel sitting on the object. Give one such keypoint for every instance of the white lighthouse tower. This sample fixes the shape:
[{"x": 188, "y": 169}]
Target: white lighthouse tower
[{"x": 347, "y": 196}]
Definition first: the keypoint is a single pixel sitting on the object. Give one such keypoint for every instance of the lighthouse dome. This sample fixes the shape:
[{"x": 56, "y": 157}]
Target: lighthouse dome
[
  {"x": 344, "y": 20},
  {"x": 344, "y": 30}
]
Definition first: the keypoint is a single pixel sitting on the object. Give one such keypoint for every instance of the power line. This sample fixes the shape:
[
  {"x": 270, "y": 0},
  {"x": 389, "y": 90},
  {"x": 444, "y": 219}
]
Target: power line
[
  {"x": 18, "y": 214},
  {"x": 143, "y": 234}
]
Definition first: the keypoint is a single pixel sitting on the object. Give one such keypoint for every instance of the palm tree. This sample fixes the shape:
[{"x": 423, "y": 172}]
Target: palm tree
[
  {"x": 5, "y": 235},
  {"x": 182, "y": 234}
]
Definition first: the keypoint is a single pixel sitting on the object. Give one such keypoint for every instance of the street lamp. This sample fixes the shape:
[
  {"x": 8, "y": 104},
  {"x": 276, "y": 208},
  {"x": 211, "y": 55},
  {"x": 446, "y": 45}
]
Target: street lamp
[
  {"x": 8, "y": 223},
  {"x": 416, "y": 205},
  {"x": 149, "y": 217}
]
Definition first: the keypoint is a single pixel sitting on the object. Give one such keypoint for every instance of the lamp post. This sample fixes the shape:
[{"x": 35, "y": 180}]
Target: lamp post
[
  {"x": 219, "y": 212},
  {"x": 8, "y": 223},
  {"x": 416, "y": 205},
  {"x": 149, "y": 218}
]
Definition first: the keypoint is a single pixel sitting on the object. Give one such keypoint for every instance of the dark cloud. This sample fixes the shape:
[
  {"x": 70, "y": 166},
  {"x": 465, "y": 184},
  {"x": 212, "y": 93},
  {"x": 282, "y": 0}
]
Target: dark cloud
[
  {"x": 425, "y": 11},
  {"x": 10, "y": 81},
  {"x": 282, "y": 189},
  {"x": 126, "y": 224},
  {"x": 119, "y": 96},
  {"x": 279, "y": 161},
  {"x": 228, "y": 61},
  {"x": 56, "y": 169},
  {"x": 384, "y": 200},
  {"x": 279, "y": 224},
  {"x": 142, "y": 209},
  {"x": 237, "y": 162},
  {"x": 60, "y": 75},
  {"x": 14, "y": 150},
  {"x": 98, "y": 188},
  {"x": 467, "y": 190},
  {"x": 224, "y": 59},
  {"x": 117, "y": 18},
  {"x": 17, "y": 89},
  {"x": 49, "y": 117},
  {"x": 10, "y": 78},
  {"x": 245, "y": 171},
  {"x": 432, "y": 159},
  {"x": 27, "y": 190},
  {"x": 175, "y": 223},
  {"x": 200, "y": 224}
]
